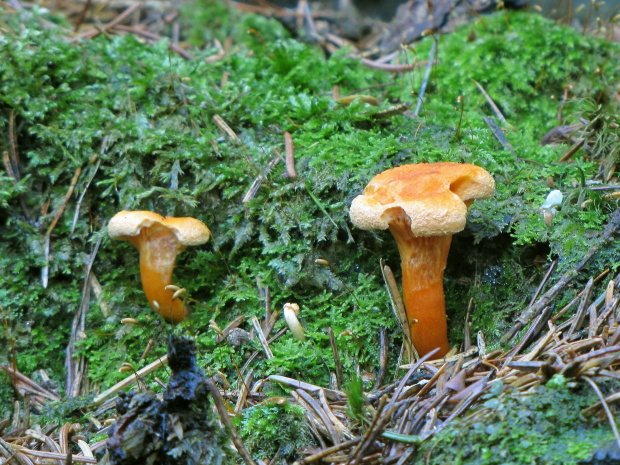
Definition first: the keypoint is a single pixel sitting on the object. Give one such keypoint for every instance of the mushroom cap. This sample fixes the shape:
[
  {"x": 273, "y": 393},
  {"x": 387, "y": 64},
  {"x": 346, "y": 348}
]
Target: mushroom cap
[
  {"x": 128, "y": 224},
  {"x": 434, "y": 197}
]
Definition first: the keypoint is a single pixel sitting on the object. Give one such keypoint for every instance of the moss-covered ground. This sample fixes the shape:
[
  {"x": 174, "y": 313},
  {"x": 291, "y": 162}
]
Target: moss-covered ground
[
  {"x": 544, "y": 426},
  {"x": 137, "y": 121}
]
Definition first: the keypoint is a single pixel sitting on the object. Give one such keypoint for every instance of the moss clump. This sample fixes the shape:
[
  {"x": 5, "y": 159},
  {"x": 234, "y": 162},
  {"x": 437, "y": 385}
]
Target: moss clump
[
  {"x": 272, "y": 428},
  {"x": 543, "y": 426},
  {"x": 525, "y": 63}
]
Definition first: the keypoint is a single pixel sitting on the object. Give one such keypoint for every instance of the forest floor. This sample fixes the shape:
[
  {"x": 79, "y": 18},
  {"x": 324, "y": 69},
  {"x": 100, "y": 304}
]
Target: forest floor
[{"x": 264, "y": 122}]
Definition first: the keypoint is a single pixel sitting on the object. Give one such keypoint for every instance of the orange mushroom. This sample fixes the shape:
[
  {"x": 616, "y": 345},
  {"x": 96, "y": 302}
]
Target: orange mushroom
[
  {"x": 423, "y": 205},
  {"x": 159, "y": 240}
]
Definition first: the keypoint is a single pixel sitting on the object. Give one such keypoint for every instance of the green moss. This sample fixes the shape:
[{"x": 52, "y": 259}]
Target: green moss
[
  {"x": 274, "y": 430},
  {"x": 524, "y": 62},
  {"x": 543, "y": 426}
]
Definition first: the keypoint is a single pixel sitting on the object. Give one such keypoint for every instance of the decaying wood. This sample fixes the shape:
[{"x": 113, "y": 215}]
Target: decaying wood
[
  {"x": 221, "y": 410},
  {"x": 493, "y": 106},
  {"x": 398, "y": 307},
  {"x": 394, "y": 68},
  {"x": 498, "y": 133},
  {"x": 251, "y": 193},
  {"x": 115, "y": 22},
  {"x": 261, "y": 337},
  {"x": 48, "y": 234},
  {"x": 133, "y": 378},
  {"x": 289, "y": 151},
  {"x": 427, "y": 76},
  {"x": 311, "y": 388},
  {"x": 232, "y": 325},
  {"x": 76, "y": 366},
  {"x": 337, "y": 363}
]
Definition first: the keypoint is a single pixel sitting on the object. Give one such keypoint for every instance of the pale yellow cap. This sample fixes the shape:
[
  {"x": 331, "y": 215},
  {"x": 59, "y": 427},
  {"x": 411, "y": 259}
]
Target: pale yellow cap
[
  {"x": 434, "y": 196},
  {"x": 188, "y": 231}
]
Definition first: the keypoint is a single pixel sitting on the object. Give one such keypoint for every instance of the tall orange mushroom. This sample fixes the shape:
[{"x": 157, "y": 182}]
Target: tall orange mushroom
[
  {"x": 159, "y": 240},
  {"x": 423, "y": 205}
]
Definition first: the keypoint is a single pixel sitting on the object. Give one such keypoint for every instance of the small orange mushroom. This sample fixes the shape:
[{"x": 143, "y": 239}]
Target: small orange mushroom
[
  {"x": 423, "y": 205},
  {"x": 159, "y": 240}
]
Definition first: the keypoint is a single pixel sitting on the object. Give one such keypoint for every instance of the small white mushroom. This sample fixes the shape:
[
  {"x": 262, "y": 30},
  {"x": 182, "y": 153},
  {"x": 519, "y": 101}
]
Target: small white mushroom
[
  {"x": 290, "y": 315},
  {"x": 553, "y": 199}
]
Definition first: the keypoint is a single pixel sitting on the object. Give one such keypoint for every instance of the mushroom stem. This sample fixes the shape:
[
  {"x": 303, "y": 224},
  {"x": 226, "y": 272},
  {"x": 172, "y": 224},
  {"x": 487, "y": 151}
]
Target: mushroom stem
[
  {"x": 290, "y": 315},
  {"x": 158, "y": 252},
  {"x": 423, "y": 261},
  {"x": 159, "y": 240},
  {"x": 423, "y": 205}
]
